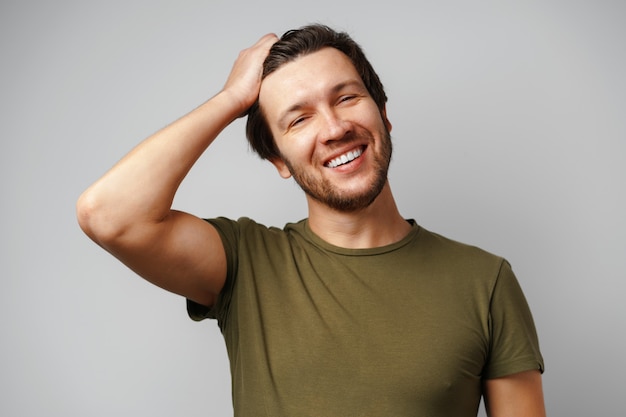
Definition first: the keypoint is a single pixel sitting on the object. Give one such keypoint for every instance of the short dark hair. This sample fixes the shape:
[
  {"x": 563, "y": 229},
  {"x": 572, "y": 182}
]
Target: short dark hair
[{"x": 293, "y": 44}]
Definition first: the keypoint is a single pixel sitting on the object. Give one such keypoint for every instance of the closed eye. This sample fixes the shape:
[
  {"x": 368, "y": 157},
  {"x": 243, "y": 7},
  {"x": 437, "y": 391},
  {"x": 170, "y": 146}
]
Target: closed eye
[
  {"x": 297, "y": 121},
  {"x": 346, "y": 98}
]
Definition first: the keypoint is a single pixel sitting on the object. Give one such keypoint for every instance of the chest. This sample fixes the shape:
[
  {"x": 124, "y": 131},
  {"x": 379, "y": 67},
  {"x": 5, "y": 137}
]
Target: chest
[{"x": 353, "y": 329}]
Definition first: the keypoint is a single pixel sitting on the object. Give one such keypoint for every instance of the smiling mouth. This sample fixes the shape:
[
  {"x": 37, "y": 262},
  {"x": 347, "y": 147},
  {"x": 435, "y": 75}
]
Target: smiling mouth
[{"x": 345, "y": 158}]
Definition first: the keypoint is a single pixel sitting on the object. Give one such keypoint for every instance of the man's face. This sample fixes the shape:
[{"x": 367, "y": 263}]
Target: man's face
[{"x": 332, "y": 137}]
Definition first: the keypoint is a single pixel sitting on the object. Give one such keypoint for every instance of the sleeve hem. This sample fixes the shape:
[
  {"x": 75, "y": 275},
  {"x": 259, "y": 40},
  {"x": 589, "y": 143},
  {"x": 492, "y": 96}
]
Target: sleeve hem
[
  {"x": 527, "y": 364},
  {"x": 198, "y": 312}
]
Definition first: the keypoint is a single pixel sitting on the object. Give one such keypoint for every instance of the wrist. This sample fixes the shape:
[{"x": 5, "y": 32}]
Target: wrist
[{"x": 236, "y": 103}]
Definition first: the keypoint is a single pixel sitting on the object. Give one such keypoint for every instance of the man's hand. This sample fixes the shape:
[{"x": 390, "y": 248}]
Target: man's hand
[{"x": 244, "y": 82}]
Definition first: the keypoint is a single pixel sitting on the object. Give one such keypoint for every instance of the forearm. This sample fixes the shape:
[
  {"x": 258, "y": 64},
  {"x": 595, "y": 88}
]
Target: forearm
[{"x": 140, "y": 188}]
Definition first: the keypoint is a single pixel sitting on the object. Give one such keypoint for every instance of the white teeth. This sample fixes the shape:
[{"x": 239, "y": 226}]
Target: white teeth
[{"x": 345, "y": 158}]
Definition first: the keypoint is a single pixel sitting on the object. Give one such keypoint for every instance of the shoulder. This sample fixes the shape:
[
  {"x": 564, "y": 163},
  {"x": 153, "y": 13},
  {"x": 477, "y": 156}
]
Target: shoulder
[
  {"x": 444, "y": 246},
  {"x": 246, "y": 231},
  {"x": 458, "y": 262},
  {"x": 240, "y": 225}
]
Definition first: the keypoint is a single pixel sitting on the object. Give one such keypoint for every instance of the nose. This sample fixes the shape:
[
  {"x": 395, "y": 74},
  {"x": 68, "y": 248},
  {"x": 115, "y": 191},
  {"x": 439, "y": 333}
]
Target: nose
[{"x": 334, "y": 127}]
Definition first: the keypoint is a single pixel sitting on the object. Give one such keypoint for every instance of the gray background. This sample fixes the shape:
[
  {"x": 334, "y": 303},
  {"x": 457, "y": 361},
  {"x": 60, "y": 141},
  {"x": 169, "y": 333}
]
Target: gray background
[{"x": 509, "y": 134}]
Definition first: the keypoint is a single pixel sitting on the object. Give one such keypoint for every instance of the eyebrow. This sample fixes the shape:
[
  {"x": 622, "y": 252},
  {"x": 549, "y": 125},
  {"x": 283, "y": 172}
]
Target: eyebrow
[{"x": 282, "y": 120}]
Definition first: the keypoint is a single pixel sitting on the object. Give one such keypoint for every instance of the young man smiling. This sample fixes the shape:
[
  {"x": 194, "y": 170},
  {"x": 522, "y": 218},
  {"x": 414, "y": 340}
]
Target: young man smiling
[
  {"x": 334, "y": 140},
  {"x": 352, "y": 311}
]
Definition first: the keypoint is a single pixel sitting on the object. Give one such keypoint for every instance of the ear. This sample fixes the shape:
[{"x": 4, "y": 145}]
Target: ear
[
  {"x": 386, "y": 121},
  {"x": 281, "y": 167}
]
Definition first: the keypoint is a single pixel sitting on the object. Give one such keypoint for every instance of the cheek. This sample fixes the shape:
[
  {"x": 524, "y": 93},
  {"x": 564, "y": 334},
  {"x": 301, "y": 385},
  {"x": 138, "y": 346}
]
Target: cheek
[
  {"x": 298, "y": 146},
  {"x": 369, "y": 117}
]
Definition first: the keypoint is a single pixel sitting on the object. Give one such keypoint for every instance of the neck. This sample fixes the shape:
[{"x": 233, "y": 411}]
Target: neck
[{"x": 377, "y": 225}]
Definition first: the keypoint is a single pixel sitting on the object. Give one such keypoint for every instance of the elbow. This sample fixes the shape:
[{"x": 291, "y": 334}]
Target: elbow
[{"x": 95, "y": 220}]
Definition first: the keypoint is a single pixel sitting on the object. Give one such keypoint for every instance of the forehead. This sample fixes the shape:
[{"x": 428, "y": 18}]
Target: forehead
[{"x": 306, "y": 78}]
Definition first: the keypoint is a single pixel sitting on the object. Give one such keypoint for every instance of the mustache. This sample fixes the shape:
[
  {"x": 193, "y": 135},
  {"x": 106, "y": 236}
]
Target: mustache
[{"x": 355, "y": 137}]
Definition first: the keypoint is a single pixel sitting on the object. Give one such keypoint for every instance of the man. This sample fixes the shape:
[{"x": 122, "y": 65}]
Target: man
[{"x": 354, "y": 311}]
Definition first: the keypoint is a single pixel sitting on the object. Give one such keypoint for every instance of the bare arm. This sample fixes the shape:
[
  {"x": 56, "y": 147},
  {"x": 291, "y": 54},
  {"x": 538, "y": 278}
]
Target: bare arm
[
  {"x": 128, "y": 211},
  {"x": 517, "y": 395}
]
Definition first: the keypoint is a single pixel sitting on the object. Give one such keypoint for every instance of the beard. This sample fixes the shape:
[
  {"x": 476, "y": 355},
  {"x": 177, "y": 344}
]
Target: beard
[{"x": 322, "y": 190}]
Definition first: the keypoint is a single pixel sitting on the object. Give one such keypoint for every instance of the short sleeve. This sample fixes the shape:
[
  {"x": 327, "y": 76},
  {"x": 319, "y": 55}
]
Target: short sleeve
[
  {"x": 514, "y": 345},
  {"x": 229, "y": 233}
]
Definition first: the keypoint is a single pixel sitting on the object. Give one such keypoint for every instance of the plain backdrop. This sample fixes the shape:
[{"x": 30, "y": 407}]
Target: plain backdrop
[{"x": 509, "y": 133}]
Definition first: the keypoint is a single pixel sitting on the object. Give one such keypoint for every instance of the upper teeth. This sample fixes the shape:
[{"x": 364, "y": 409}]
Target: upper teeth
[{"x": 345, "y": 158}]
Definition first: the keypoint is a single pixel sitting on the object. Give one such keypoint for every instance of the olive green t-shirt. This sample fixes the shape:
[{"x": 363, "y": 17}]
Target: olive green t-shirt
[{"x": 408, "y": 329}]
